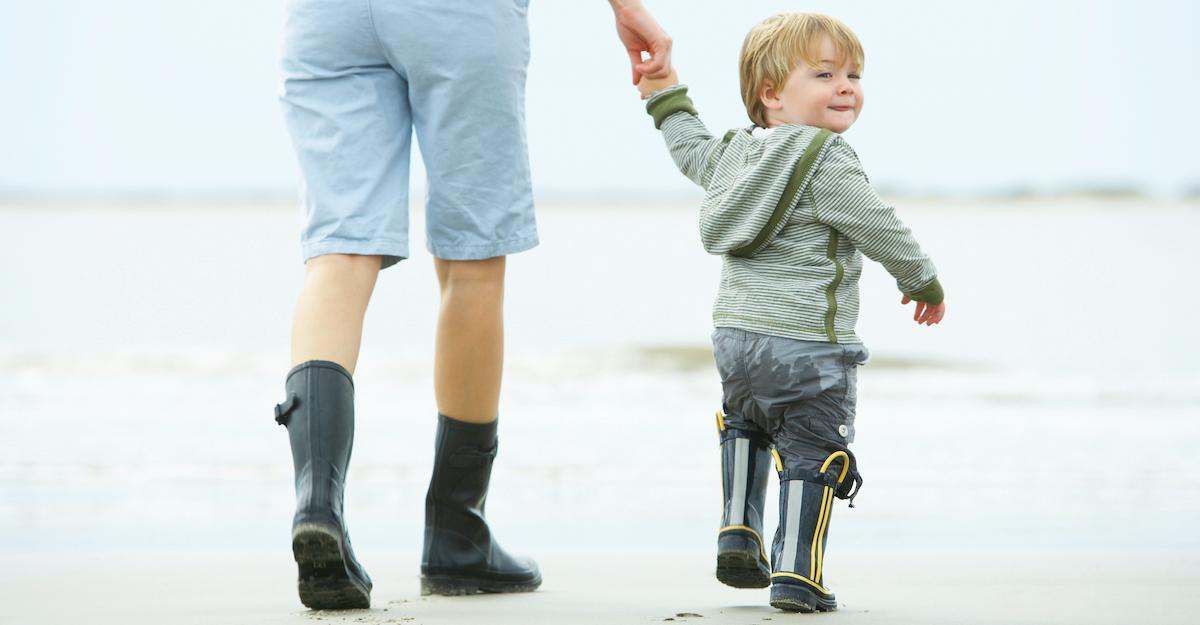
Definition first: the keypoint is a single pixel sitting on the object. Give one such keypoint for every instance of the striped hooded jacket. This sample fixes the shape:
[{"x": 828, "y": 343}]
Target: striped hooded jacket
[{"x": 792, "y": 274}]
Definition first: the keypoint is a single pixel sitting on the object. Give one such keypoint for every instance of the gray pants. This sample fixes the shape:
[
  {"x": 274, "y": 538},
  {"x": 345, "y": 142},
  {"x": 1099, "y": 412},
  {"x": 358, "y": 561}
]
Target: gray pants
[{"x": 801, "y": 394}]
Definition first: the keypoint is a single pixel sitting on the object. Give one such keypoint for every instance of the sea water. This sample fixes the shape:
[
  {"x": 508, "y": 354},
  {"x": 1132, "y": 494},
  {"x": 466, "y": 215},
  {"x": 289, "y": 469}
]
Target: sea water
[{"x": 142, "y": 348}]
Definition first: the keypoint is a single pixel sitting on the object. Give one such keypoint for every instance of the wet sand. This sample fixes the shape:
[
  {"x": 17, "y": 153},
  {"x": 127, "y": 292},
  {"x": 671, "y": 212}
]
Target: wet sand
[{"x": 928, "y": 588}]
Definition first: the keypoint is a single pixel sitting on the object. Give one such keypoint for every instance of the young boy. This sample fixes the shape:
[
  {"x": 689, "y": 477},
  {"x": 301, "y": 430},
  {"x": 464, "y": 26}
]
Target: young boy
[{"x": 791, "y": 212}]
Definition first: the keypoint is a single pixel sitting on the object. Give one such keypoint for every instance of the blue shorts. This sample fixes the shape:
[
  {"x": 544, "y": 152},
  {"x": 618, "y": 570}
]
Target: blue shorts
[{"x": 360, "y": 75}]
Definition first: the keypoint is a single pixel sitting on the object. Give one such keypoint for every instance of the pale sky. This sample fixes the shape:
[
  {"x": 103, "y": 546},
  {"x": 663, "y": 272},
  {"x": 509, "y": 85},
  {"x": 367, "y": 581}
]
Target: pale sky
[{"x": 179, "y": 97}]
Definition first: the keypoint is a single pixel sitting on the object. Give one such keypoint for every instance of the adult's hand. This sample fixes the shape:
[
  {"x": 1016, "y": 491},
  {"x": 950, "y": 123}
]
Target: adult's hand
[{"x": 640, "y": 33}]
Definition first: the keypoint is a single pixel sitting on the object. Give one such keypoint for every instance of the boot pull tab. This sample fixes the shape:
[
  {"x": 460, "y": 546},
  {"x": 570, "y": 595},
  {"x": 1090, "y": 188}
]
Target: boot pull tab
[
  {"x": 283, "y": 410},
  {"x": 843, "y": 489},
  {"x": 856, "y": 482}
]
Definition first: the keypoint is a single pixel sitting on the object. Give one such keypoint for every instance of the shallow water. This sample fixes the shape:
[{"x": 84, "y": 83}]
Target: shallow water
[{"x": 141, "y": 350}]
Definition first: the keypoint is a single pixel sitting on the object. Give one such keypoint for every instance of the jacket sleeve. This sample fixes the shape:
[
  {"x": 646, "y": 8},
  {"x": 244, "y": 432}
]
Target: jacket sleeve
[
  {"x": 844, "y": 200},
  {"x": 692, "y": 146}
]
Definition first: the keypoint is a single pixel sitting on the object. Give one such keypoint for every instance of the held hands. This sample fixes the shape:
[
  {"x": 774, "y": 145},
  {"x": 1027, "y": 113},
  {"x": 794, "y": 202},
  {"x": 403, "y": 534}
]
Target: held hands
[
  {"x": 648, "y": 86},
  {"x": 640, "y": 33},
  {"x": 928, "y": 314}
]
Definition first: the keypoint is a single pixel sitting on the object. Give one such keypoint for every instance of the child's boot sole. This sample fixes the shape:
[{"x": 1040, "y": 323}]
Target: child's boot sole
[
  {"x": 794, "y": 598},
  {"x": 742, "y": 570},
  {"x": 739, "y": 561}
]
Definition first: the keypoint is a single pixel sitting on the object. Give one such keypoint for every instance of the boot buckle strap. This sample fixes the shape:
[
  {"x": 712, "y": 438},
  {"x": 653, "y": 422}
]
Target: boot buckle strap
[
  {"x": 842, "y": 489},
  {"x": 283, "y": 410},
  {"x": 469, "y": 457},
  {"x": 849, "y": 489}
]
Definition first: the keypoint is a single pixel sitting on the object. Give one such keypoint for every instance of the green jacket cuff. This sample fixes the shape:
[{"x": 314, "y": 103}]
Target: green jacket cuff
[
  {"x": 931, "y": 294},
  {"x": 668, "y": 102}
]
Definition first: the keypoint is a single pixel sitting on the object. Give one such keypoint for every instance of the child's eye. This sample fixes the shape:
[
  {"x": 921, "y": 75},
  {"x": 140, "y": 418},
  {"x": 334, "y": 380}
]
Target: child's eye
[
  {"x": 855, "y": 76},
  {"x": 825, "y": 75}
]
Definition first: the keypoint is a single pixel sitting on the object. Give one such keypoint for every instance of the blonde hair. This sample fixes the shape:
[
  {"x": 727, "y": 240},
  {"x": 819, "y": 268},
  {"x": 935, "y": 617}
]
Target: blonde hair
[{"x": 778, "y": 44}]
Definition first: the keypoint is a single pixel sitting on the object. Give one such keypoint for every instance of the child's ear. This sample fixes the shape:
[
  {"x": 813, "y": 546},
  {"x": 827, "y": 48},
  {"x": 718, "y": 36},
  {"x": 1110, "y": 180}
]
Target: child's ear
[{"x": 767, "y": 95}]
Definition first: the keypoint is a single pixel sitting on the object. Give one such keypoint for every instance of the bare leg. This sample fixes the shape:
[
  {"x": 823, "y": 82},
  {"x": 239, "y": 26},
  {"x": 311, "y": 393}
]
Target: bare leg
[
  {"x": 461, "y": 556},
  {"x": 470, "y": 339},
  {"x": 329, "y": 314}
]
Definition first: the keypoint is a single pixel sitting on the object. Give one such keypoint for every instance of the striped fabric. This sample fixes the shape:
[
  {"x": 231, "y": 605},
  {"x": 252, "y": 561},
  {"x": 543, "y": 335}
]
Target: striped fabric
[{"x": 804, "y": 283}]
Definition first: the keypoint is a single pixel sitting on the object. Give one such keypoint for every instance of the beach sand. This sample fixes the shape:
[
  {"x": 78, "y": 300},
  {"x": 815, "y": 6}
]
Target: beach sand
[{"x": 633, "y": 589}]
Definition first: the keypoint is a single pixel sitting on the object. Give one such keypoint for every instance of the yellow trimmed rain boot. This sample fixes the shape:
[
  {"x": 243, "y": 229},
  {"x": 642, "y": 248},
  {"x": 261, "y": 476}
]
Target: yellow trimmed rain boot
[
  {"x": 745, "y": 468},
  {"x": 798, "y": 551}
]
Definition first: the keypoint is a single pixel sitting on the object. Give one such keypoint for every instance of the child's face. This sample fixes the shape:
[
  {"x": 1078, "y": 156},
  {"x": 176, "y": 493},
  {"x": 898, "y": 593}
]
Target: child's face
[{"x": 826, "y": 97}]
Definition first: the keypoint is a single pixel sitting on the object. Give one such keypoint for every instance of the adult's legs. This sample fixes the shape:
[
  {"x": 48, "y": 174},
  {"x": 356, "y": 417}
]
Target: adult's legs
[
  {"x": 469, "y": 357},
  {"x": 460, "y": 554},
  {"x": 318, "y": 411},
  {"x": 329, "y": 314},
  {"x": 347, "y": 112},
  {"x": 465, "y": 69}
]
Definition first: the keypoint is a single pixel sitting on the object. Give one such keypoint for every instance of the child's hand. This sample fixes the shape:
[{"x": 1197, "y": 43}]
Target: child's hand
[
  {"x": 928, "y": 314},
  {"x": 648, "y": 86}
]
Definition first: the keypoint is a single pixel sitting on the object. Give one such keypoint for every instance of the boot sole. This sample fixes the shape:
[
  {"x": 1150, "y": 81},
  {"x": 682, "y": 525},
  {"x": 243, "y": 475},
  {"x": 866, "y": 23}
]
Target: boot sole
[
  {"x": 799, "y": 599},
  {"x": 742, "y": 570},
  {"x": 455, "y": 586},
  {"x": 324, "y": 583}
]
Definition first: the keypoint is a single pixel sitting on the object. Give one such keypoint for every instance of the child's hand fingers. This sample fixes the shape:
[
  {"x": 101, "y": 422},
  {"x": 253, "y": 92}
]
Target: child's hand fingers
[
  {"x": 935, "y": 314},
  {"x": 920, "y": 309},
  {"x": 904, "y": 300}
]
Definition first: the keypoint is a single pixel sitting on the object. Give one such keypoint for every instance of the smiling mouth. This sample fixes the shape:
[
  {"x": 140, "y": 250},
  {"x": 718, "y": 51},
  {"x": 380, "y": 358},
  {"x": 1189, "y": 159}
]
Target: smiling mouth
[{"x": 842, "y": 109}]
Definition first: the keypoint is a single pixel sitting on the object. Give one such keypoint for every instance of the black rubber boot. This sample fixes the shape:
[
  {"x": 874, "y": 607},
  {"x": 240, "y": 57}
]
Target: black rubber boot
[
  {"x": 798, "y": 552},
  {"x": 745, "y": 467},
  {"x": 319, "y": 415},
  {"x": 460, "y": 555}
]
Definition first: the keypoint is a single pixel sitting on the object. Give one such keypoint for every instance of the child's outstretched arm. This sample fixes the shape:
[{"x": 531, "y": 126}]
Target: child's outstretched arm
[
  {"x": 844, "y": 200},
  {"x": 692, "y": 146}
]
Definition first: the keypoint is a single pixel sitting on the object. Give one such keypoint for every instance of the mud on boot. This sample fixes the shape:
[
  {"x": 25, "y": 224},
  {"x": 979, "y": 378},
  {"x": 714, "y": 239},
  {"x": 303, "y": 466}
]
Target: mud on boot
[{"x": 319, "y": 415}]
